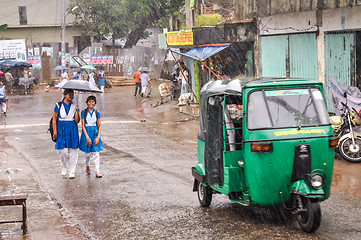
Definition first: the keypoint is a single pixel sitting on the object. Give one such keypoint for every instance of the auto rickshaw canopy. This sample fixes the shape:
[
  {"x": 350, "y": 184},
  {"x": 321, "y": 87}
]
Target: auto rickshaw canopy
[{"x": 235, "y": 87}]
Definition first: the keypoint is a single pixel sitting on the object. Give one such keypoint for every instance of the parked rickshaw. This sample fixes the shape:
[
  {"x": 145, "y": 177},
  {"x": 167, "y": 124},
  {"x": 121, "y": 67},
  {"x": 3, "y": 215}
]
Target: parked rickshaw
[{"x": 266, "y": 142}]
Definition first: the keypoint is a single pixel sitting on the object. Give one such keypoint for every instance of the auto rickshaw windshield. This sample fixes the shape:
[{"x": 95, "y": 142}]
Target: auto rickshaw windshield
[{"x": 285, "y": 108}]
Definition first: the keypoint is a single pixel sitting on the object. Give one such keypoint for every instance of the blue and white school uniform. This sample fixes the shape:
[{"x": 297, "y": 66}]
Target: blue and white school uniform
[
  {"x": 92, "y": 131},
  {"x": 68, "y": 136},
  {"x": 3, "y": 98},
  {"x": 101, "y": 80},
  {"x": 67, "y": 143},
  {"x": 2, "y": 95}
]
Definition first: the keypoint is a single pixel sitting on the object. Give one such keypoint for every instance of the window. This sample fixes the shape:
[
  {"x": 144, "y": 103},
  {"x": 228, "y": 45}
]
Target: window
[
  {"x": 286, "y": 108},
  {"x": 22, "y": 15}
]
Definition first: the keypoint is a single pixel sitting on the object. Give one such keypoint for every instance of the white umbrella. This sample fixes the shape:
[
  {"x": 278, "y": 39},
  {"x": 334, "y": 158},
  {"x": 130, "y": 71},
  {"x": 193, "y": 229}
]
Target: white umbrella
[
  {"x": 59, "y": 85},
  {"x": 60, "y": 68},
  {"x": 80, "y": 85}
]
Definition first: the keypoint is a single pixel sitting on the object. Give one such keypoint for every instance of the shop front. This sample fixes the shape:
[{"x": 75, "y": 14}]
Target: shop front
[{"x": 221, "y": 52}]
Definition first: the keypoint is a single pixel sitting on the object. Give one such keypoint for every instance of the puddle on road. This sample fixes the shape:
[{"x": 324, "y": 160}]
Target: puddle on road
[{"x": 346, "y": 177}]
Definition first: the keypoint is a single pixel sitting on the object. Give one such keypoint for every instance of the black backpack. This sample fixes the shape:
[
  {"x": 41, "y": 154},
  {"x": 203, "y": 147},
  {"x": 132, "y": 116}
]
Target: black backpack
[
  {"x": 96, "y": 115},
  {"x": 51, "y": 130}
]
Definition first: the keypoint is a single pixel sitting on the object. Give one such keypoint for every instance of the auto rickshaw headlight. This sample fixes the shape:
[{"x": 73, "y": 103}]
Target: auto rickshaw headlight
[{"x": 316, "y": 181}]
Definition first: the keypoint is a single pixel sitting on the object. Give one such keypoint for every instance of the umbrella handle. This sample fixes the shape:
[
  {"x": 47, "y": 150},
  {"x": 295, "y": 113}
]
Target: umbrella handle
[{"x": 76, "y": 98}]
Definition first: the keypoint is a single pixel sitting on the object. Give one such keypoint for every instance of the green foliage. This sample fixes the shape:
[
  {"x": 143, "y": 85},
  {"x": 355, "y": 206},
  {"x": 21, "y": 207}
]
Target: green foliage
[
  {"x": 208, "y": 19},
  {"x": 3, "y": 27},
  {"x": 125, "y": 19}
]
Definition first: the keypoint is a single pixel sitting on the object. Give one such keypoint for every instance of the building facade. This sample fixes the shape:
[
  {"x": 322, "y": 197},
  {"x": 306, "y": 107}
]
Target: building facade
[
  {"x": 308, "y": 39},
  {"x": 39, "y": 23}
]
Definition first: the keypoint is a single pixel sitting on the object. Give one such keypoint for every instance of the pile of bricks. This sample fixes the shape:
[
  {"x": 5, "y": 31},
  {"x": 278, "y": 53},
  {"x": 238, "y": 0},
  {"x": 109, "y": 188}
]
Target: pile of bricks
[{"x": 120, "y": 80}]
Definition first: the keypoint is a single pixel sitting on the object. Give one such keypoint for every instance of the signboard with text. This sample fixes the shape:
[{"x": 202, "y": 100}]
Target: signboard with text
[
  {"x": 101, "y": 60},
  {"x": 13, "y": 50},
  {"x": 180, "y": 38},
  {"x": 35, "y": 61}
]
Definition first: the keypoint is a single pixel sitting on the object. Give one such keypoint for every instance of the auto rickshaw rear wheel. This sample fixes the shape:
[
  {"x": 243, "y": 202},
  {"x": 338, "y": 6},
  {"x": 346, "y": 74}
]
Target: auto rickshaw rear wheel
[
  {"x": 204, "y": 194},
  {"x": 309, "y": 217}
]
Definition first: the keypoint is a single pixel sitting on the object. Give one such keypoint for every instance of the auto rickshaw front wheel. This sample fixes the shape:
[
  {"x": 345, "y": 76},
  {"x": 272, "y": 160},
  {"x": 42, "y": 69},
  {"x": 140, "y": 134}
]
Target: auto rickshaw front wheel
[
  {"x": 309, "y": 215},
  {"x": 204, "y": 194}
]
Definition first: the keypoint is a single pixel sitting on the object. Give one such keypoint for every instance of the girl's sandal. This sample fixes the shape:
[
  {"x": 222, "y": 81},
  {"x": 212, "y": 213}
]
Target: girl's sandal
[{"x": 98, "y": 175}]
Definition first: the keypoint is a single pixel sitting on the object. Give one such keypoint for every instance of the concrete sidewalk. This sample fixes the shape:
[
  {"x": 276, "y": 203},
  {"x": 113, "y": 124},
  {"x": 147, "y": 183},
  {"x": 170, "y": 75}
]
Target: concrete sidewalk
[{"x": 46, "y": 219}]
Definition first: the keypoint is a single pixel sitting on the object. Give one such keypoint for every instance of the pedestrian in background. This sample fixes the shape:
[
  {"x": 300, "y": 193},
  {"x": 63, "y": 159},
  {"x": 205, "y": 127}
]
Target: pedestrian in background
[
  {"x": 3, "y": 98},
  {"x": 9, "y": 78},
  {"x": 138, "y": 84},
  {"x": 75, "y": 76},
  {"x": 63, "y": 75},
  {"x": 91, "y": 79},
  {"x": 66, "y": 132},
  {"x": 90, "y": 141},
  {"x": 146, "y": 88},
  {"x": 101, "y": 77},
  {"x": 80, "y": 76},
  {"x": 183, "y": 77}
]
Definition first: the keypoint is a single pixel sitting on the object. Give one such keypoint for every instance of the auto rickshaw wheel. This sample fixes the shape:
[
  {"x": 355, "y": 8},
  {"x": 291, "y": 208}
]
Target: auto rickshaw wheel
[
  {"x": 204, "y": 194},
  {"x": 348, "y": 151},
  {"x": 309, "y": 217}
]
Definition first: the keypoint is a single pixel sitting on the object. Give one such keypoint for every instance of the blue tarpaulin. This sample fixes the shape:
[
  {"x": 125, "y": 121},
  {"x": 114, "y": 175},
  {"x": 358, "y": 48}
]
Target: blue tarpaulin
[{"x": 203, "y": 52}]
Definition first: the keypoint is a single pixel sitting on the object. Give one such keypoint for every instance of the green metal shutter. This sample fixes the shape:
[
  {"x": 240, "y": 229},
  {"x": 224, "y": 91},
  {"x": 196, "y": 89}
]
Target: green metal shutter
[
  {"x": 340, "y": 61},
  {"x": 274, "y": 51},
  {"x": 303, "y": 55}
]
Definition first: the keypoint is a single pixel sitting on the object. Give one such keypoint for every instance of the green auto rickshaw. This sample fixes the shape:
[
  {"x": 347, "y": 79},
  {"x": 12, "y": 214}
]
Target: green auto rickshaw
[{"x": 266, "y": 142}]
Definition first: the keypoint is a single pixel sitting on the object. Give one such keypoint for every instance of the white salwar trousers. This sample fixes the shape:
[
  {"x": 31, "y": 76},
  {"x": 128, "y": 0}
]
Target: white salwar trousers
[
  {"x": 96, "y": 159},
  {"x": 68, "y": 159}
]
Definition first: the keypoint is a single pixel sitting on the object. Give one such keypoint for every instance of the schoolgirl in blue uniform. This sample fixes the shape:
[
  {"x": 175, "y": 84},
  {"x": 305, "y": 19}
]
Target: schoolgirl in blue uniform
[
  {"x": 101, "y": 79},
  {"x": 66, "y": 132},
  {"x": 3, "y": 98},
  {"x": 90, "y": 141}
]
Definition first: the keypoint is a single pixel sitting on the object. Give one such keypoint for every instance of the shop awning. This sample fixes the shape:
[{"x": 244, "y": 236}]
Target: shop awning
[{"x": 204, "y": 51}]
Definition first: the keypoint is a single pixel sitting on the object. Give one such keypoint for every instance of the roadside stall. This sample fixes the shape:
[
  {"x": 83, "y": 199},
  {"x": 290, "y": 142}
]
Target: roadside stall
[{"x": 22, "y": 82}]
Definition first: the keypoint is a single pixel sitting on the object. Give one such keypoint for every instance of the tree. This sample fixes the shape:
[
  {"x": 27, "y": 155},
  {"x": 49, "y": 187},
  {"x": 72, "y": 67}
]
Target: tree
[{"x": 122, "y": 19}]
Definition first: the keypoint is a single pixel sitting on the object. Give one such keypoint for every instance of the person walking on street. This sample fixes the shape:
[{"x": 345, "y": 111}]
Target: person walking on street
[
  {"x": 9, "y": 78},
  {"x": 90, "y": 141},
  {"x": 80, "y": 76},
  {"x": 145, "y": 79},
  {"x": 91, "y": 79},
  {"x": 3, "y": 98},
  {"x": 101, "y": 75},
  {"x": 183, "y": 77},
  {"x": 138, "y": 84},
  {"x": 66, "y": 132},
  {"x": 63, "y": 75},
  {"x": 75, "y": 76}
]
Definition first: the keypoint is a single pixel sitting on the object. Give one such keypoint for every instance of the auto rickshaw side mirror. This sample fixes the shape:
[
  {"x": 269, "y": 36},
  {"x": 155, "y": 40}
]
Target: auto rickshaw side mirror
[{"x": 345, "y": 94}]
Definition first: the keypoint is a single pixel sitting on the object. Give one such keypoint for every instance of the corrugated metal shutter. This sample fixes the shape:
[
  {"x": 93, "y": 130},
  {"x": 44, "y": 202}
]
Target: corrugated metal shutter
[
  {"x": 274, "y": 52},
  {"x": 303, "y": 55},
  {"x": 340, "y": 61}
]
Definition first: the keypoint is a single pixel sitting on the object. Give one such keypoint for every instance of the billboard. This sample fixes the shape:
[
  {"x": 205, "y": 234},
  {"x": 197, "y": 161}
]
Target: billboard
[{"x": 13, "y": 50}]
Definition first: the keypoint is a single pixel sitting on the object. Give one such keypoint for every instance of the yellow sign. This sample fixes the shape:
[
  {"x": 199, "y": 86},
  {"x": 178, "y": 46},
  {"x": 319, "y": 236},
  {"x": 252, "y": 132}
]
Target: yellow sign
[
  {"x": 295, "y": 132},
  {"x": 180, "y": 38}
]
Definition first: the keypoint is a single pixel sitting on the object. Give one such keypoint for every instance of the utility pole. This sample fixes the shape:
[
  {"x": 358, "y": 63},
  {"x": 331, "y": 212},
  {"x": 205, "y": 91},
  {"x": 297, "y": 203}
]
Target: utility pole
[{"x": 63, "y": 62}]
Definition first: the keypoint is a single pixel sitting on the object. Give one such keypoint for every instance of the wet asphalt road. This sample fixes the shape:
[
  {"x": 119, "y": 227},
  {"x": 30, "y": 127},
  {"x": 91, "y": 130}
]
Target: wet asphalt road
[{"x": 146, "y": 191}]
